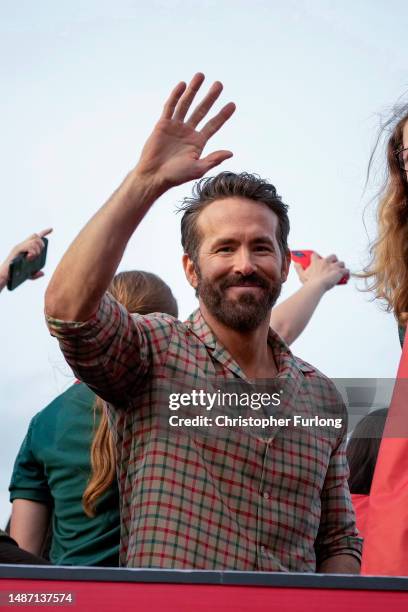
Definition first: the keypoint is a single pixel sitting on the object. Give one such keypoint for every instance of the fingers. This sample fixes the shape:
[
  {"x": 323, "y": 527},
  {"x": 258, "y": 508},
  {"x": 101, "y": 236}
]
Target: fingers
[
  {"x": 202, "y": 109},
  {"x": 218, "y": 121},
  {"x": 331, "y": 258},
  {"x": 181, "y": 98},
  {"x": 34, "y": 245},
  {"x": 214, "y": 159},
  {"x": 33, "y": 248},
  {"x": 171, "y": 103},
  {"x": 299, "y": 271},
  {"x": 188, "y": 96},
  {"x": 45, "y": 232},
  {"x": 36, "y": 275}
]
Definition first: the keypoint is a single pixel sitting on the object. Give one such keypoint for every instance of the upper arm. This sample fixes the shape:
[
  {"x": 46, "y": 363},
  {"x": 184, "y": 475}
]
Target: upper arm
[
  {"x": 29, "y": 524},
  {"x": 29, "y": 480},
  {"x": 282, "y": 327},
  {"x": 114, "y": 350},
  {"x": 31, "y": 497}
]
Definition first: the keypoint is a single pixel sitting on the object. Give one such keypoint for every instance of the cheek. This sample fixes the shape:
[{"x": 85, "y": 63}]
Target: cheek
[
  {"x": 271, "y": 267},
  {"x": 213, "y": 267}
]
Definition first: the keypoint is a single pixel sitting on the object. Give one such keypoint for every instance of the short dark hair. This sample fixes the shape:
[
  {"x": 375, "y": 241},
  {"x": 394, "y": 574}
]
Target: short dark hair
[{"x": 228, "y": 185}]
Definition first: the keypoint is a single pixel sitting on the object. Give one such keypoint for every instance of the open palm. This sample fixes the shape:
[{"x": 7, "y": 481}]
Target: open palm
[{"x": 172, "y": 154}]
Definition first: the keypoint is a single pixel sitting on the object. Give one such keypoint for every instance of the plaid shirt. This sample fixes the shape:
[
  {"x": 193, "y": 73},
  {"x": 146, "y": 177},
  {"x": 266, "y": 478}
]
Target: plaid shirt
[{"x": 189, "y": 500}]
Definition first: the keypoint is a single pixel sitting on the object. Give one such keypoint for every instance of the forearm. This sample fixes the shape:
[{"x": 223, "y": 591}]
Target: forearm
[
  {"x": 29, "y": 524},
  {"x": 290, "y": 317},
  {"x": 89, "y": 264},
  {"x": 3, "y": 274},
  {"x": 340, "y": 564}
]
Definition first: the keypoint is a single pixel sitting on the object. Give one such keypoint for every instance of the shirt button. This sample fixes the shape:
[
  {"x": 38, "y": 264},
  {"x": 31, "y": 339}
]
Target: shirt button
[{"x": 266, "y": 495}]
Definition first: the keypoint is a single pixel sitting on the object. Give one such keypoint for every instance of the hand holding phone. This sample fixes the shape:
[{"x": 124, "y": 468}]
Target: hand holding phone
[
  {"x": 303, "y": 257},
  {"x": 22, "y": 267},
  {"x": 24, "y": 261}
]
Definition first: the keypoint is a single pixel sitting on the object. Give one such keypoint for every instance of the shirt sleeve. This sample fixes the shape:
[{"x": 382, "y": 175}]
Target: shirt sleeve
[
  {"x": 337, "y": 534},
  {"x": 114, "y": 350},
  {"x": 28, "y": 480}
]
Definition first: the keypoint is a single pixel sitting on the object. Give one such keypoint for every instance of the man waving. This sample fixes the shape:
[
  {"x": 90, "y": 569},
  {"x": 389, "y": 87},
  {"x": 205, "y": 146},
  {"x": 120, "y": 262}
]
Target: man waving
[{"x": 237, "y": 500}]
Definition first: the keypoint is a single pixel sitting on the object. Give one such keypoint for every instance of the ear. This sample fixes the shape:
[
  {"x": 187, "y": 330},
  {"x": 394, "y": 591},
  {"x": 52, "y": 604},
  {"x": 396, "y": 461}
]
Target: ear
[
  {"x": 190, "y": 271},
  {"x": 285, "y": 266}
]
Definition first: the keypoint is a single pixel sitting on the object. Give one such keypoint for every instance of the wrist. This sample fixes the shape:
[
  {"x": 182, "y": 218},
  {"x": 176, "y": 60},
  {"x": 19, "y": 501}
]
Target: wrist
[
  {"x": 317, "y": 285},
  {"x": 151, "y": 185}
]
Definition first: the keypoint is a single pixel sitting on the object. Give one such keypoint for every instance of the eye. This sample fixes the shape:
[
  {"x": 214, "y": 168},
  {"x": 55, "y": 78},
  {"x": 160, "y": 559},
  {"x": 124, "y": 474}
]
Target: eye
[
  {"x": 224, "y": 249},
  {"x": 259, "y": 248}
]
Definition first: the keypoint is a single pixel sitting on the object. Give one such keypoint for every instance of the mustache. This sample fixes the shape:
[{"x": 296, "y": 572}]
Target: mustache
[{"x": 250, "y": 280}]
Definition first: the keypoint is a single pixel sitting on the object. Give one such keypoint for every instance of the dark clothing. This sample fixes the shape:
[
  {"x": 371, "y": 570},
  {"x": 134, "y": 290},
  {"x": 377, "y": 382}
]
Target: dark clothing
[
  {"x": 401, "y": 333},
  {"x": 10, "y": 553}
]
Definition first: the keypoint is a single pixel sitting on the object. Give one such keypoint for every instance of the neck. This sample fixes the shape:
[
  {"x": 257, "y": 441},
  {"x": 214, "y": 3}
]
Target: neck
[{"x": 249, "y": 349}]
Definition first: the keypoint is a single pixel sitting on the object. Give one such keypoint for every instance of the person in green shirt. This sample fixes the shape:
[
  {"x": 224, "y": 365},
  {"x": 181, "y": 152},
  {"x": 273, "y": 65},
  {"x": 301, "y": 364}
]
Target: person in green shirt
[{"x": 65, "y": 471}]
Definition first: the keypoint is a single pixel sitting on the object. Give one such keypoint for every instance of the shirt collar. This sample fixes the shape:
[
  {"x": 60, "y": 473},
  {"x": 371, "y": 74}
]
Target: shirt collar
[{"x": 288, "y": 365}]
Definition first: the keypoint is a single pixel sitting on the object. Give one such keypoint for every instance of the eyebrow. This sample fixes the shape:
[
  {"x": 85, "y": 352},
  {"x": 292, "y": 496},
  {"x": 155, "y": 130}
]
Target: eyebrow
[
  {"x": 265, "y": 238},
  {"x": 231, "y": 240}
]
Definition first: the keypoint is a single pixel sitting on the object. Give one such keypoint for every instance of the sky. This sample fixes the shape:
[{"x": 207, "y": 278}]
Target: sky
[{"x": 83, "y": 84}]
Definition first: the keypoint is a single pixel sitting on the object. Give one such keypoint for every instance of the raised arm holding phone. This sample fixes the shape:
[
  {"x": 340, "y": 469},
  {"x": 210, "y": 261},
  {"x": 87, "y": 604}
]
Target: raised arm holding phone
[{"x": 290, "y": 317}]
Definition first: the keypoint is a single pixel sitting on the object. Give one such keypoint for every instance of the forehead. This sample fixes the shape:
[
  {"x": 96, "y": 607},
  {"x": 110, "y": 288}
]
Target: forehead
[{"x": 237, "y": 217}]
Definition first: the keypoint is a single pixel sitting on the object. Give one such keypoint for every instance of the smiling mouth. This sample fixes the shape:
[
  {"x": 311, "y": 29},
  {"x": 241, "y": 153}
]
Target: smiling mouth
[{"x": 245, "y": 286}]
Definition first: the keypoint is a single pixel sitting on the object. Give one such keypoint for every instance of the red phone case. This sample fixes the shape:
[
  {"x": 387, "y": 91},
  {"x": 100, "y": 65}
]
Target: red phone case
[{"x": 304, "y": 258}]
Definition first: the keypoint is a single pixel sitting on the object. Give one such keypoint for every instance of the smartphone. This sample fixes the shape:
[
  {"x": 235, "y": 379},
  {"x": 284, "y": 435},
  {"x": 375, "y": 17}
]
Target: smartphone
[
  {"x": 304, "y": 258},
  {"x": 21, "y": 268}
]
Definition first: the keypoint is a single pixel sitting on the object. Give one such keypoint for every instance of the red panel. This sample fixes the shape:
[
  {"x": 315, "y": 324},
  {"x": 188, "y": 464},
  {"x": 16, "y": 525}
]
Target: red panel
[{"x": 106, "y": 596}]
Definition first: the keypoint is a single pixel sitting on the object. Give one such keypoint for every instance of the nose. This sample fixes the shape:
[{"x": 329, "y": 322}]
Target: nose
[{"x": 243, "y": 262}]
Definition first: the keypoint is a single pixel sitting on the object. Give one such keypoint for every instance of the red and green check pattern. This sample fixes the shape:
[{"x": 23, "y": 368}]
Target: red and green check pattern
[{"x": 194, "y": 500}]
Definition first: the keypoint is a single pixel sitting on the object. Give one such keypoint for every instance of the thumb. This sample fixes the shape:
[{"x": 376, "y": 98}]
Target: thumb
[
  {"x": 37, "y": 275},
  {"x": 45, "y": 232},
  {"x": 215, "y": 158}
]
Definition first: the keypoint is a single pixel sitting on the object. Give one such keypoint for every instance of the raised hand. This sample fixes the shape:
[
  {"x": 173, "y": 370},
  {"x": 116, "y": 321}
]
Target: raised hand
[
  {"x": 172, "y": 153},
  {"x": 33, "y": 245},
  {"x": 326, "y": 271}
]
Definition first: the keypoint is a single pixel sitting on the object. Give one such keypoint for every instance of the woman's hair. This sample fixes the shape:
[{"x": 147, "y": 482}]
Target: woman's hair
[
  {"x": 387, "y": 270},
  {"x": 142, "y": 293},
  {"x": 362, "y": 450}
]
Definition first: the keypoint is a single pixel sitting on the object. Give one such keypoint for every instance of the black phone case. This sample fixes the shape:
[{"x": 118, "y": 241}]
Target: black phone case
[{"x": 20, "y": 268}]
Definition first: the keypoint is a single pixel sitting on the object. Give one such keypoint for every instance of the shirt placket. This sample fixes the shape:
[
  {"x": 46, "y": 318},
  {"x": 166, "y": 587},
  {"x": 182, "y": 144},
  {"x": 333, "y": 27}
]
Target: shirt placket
[{"x": 265, "y": 558}]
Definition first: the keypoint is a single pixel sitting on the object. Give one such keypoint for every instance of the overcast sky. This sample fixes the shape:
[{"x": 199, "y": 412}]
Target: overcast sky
[{"x": 83, "y": 84}]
